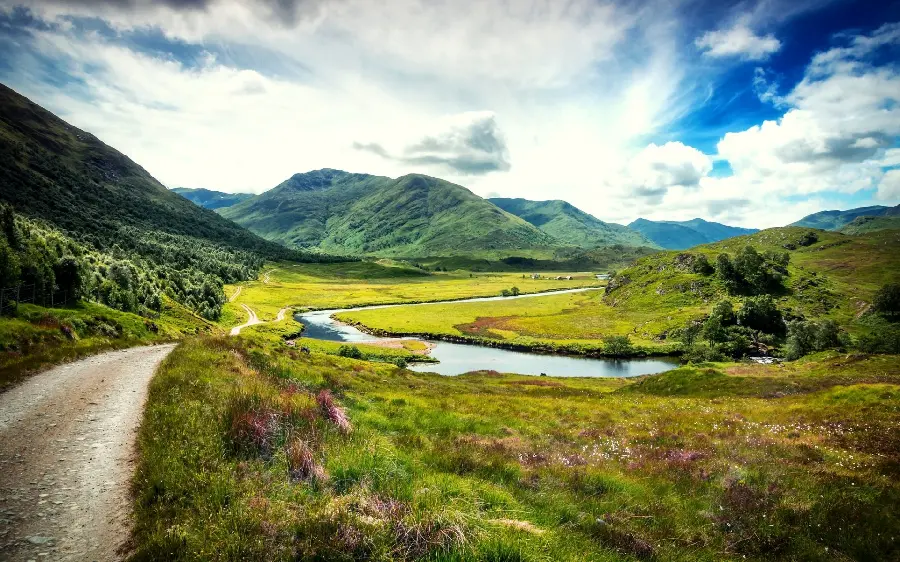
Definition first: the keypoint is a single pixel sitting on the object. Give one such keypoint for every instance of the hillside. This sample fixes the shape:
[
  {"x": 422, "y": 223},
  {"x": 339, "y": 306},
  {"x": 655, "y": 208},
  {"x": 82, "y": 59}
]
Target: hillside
[
  {"x": 570, "y": 225},
  {"x": 679, "y": 235},
  {"x": 834, "y": 220},
  {"x": 864, "y": 224},
  {"x": 70, "y": 180},
  {"x": 360, "y": 214},
  {"x": 209, "y": 199}
]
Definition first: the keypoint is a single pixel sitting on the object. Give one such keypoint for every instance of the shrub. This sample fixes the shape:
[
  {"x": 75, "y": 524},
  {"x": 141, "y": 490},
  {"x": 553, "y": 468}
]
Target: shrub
[
  {"x": 805, "y": 337},
  {"x": 350, "y": 351},
  {"x": 332, "y": 412},
  {"x": 617, "y": 346}
]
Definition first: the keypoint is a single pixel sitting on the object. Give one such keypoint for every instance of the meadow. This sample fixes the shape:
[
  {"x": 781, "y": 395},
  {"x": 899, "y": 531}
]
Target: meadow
[
  {"x": 343, "y": 285},
  {"x": 250, "y": 451}
]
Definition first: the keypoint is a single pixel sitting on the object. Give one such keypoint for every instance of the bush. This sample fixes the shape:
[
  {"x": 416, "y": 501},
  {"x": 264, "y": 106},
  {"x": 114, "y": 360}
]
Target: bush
[
  {"x": 882, "y": 341},
  {"x": 887, "y": 300},
  {"x": 617, "y": 346},
  {"x": 350, "y": 351}
]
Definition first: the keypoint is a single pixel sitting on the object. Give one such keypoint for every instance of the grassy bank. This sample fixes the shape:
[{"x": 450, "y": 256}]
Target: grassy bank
[
  {"x": 249, "y": 453},
  {"x": 35, "y": 337}
]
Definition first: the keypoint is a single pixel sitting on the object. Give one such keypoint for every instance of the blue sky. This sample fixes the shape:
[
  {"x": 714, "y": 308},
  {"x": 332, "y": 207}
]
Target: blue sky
[{"x": 752, "y": 113}]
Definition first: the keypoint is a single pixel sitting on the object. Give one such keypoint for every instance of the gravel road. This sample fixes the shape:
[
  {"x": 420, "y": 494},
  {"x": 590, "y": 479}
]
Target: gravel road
[{"x": 67, "y": 453}]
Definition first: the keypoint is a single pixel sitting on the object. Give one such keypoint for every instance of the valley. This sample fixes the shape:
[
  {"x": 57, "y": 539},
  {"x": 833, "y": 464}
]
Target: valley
[{"x": 359, "y": 367}]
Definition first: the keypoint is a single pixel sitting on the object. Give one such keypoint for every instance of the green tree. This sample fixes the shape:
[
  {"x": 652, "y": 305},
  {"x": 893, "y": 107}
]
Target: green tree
[
  {"x": 727, "y": 274},
  {"x": 887, "y": 300},
  {"x": 617, "y": 346},
  {"x": 760, "y": 313},
  {"x": 68, "y": 276},
  {"x": 514, "y": 291}
]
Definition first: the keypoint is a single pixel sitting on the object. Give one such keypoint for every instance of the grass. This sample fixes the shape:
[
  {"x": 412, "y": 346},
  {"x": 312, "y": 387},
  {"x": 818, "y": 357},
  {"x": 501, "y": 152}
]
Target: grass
[
  {"x": 343, "y": 285},
  {"x": 37, "y": 337},
  {"x": 574, "y": 322},
  {"x": 250, "y": 453}
]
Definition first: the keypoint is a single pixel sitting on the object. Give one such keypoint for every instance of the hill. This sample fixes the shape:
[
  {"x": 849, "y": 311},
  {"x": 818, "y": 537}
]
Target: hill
[
  {"x": 679, "y": 235},
  {"x": 70, "y": 180},
  {"x": 360, "y": 214},
  {"x": 209, "y": 199},
  {"x": 864, "y": 224},
  {"x": 834, "y": 220},
  {"x": 570, "y": 225}
]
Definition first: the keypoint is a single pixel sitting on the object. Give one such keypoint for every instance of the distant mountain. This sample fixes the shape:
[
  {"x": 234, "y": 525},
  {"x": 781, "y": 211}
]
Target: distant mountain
[
  {"x": 360, "y": 214},
  {"x": 209, "y": 199},
  {"x": 834, "y": 220},
  {"x": 570, "y": 225},
  {"x": 861, "y": 225},
  {"x": 679, "y": 235}
]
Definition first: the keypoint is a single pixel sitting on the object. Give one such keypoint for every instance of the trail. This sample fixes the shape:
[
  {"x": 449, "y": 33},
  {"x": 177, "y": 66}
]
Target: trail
[
  {"x": 266, "y": 278},
  {"x": 67, "y": 452},
  {"x": 235, "y": 295},
  {"x": 253, "y": 319}
]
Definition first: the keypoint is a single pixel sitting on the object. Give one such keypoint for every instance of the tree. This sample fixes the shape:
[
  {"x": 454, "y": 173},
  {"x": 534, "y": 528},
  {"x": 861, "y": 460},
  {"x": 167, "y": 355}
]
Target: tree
[
  {"x": 617, "y": 346},
  {"x": 887, "y": 300},
  {"x": 760, "y": 313},
  {"x": 514, "y": 291},
  {"x": 690, "y": 333},
  {"x": 68, "y": 276},
  {"x": 727, "y": 274},
  {"x": 702, "y": 266}
]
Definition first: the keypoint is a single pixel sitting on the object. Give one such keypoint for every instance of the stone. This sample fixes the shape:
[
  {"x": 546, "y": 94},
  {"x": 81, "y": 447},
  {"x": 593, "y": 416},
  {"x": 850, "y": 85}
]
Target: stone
[{"x": 37, "y": 539}]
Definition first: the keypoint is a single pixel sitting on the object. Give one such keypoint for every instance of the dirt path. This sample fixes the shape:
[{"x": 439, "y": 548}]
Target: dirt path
[
  {"x": 266, "y": 278},
  {"x": 252, "y": 320},
  {"x": 235, "y": 295},
  {"x": 67, "y": 451}
]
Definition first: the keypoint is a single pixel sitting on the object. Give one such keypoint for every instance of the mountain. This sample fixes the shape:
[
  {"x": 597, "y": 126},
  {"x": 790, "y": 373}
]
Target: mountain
[
  {"x": 144, "y": 238},
  {"x": 679, "y": 235},
  {"x": 570, "y": 225},
  {"x": 361, "y": 214},
  {"x": 834, "y": 220},
  {"x": 209, "y": 199},
  {"x": 864, "y": 224}
]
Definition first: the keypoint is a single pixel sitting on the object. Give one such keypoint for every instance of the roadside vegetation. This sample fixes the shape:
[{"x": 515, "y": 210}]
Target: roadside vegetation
[{"x": 251, "y": 452}]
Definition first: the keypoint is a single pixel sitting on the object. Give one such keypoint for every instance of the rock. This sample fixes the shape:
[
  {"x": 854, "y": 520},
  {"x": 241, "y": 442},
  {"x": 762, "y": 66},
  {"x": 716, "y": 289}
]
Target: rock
[{"x": 37, "y": 539}]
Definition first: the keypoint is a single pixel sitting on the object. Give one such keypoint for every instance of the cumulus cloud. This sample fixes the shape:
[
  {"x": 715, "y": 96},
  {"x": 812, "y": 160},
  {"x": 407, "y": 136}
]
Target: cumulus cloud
[
  {"x": 889, "y": 187},
  {"x": 738, "y": 41},
  {"x": 655, "y": 169},
  {"x": 469, "y": 144}
]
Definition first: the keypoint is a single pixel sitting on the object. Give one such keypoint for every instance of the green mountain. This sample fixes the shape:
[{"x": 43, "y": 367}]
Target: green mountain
[
  {"x": 834, "y": 220},
  {"x": 209, "y": 199},
  {"x": 570, "y": 225},
  {"x": 864, "y": 224},
  {"x": 69, "y": 179},
  {"x": 679, "y": 235},
  {"x": 360, "y": 214}
]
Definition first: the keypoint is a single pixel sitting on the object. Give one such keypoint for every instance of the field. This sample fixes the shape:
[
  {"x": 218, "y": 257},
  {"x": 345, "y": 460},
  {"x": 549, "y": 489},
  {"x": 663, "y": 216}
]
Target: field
[
  {"x": 835, "y": 277},
  {"x": 249, "y": 453},
  {"x": 342, "y": 285}
]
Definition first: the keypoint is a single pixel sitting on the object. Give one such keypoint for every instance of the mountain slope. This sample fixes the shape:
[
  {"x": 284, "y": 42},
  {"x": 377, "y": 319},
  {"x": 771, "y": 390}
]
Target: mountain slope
[
  {"x": 570, "y": 225},
  {"x": 679, "y": 235},
  {"x": 834, "y": 220},
  {"x": 413, "y": 216},
  {"x": 864, "y": 224},
  {"x": 68, "y": 177},
  {"x": 209, "y": 199}
]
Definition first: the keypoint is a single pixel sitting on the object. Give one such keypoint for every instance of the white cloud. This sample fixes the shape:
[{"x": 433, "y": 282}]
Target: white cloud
[
  {"x": 889, "y": 187},
  {"x": 738, "y": 41},
  {"x": 656, "y": 169}
]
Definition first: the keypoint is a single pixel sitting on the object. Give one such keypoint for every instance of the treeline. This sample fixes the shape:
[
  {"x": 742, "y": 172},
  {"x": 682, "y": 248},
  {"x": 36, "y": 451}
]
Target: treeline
[{"x": 132, "y": 276}]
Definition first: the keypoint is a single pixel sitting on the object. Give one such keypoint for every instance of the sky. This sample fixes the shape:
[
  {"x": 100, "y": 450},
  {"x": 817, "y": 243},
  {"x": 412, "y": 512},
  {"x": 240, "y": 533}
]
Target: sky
[{"x": 750, "y": 113}]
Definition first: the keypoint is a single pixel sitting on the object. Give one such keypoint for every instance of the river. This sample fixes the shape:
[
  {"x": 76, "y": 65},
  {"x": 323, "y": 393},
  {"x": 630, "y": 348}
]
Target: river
[{"x": 456, "y": 359}]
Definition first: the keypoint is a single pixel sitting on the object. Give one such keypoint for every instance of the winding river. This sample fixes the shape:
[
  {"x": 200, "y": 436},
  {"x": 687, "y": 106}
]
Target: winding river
[{"x": 456, "y": 359}]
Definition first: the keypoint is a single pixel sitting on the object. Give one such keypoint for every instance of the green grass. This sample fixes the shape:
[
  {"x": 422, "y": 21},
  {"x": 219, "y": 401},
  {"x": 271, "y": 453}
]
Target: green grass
[
  {"x": 731, "y": 462},
  {"x": 343, "y": 285},
  {"x": 36, "y": 337}
]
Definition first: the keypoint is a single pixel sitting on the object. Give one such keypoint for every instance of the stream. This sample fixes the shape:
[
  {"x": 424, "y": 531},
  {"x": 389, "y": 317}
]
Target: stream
[{"x": 456, "y": 359}]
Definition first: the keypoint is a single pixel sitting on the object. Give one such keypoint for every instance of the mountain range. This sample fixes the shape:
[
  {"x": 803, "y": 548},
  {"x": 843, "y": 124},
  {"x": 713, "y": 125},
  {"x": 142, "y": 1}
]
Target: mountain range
[
  {"x": 835, "y": 220},
  {"x": 680, "y": 235}
]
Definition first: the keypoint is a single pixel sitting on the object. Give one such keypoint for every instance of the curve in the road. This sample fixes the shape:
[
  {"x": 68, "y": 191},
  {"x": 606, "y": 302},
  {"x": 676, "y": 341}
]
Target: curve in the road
[
  {"x": 67, "y": 445},
  {"x": 253, "y": 319}
]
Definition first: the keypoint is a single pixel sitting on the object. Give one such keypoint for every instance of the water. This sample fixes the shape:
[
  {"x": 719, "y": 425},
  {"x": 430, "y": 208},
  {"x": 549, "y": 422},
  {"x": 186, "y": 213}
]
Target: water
[{"x": 456, "y": 359}]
